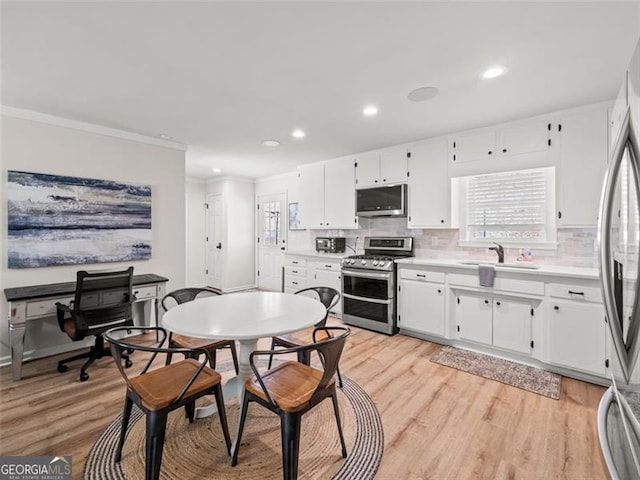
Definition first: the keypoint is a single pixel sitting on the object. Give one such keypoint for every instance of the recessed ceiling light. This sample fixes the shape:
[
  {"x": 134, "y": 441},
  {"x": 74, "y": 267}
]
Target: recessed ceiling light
[
  {"x": 370, "y": 110},
  {"x": 216, "y": 170},
  {"x": 422, "y": 94},
  {"x": 494, "y": 72},
  {"x": 271, "y": 143},
  {"x": 298, "y": 133}
]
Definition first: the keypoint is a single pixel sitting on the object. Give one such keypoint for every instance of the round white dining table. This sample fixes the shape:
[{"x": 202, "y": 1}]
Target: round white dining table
[{"x": 245, "y": 317}]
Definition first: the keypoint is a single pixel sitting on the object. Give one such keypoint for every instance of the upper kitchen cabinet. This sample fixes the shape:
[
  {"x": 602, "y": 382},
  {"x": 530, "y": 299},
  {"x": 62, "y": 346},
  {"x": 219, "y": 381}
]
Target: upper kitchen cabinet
[
  {"x": 524, "y": 137},
  {"x": 428, "y": 185},
  {"x": 327, "y": 195},
  {"x": 381, "y": 168},
  {"x": 528, "y": 136},
  {"x": 583, "y": 158},
  {"x": 472, "y": 146}
]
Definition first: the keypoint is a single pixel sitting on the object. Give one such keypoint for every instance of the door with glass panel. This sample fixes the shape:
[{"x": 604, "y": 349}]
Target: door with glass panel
[{"x": 272, "y": 221}]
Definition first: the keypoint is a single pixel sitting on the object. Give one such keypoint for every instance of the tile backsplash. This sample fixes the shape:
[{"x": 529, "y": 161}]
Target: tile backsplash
[{"x": 576, "y": 246}]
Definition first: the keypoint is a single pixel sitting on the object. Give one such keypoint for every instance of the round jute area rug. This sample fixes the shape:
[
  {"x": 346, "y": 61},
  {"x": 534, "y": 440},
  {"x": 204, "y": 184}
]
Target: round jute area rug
[{"x": 196, "y": 451}]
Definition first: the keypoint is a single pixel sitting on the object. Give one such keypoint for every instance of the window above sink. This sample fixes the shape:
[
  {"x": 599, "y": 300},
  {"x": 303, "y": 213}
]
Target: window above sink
[{"x": 515, "y": 208}]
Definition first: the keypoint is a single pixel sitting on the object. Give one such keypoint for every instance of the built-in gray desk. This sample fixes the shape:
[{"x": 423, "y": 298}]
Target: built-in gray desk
[{"x": 36, "y": 302}]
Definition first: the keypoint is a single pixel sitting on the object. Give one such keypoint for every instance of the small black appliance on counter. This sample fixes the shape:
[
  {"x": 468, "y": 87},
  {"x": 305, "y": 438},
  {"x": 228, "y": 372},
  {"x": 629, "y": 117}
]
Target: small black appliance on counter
[{"x": 330, "y": 244}]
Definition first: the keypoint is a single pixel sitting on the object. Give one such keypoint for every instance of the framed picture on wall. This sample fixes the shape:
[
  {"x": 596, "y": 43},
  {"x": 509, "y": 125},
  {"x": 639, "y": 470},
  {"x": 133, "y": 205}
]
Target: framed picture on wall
[{"x": 294, "y": 220}]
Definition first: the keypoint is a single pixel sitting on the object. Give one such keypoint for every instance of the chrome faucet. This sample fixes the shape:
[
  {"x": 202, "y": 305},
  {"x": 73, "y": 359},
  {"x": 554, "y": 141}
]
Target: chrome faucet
[{"x": 499, "y": 250}]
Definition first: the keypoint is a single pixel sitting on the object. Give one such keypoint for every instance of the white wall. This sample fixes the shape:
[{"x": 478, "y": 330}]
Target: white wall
[
  {"x": 196, "y": 233},
  {"x": 32, "y": 146}
]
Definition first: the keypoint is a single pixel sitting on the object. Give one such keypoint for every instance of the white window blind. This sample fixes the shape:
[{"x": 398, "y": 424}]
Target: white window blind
[{"x": 512, "y": 206}]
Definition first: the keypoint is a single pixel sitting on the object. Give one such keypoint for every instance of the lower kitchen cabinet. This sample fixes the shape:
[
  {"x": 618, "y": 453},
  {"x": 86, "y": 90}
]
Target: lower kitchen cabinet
[
  {"x": 577, "y": 336},
  {"x": 421, "y": 307},
  {"x": 501, "y": 322},
  {"x": 326, "y": 274},
  {"x": 473, "y": 317}
]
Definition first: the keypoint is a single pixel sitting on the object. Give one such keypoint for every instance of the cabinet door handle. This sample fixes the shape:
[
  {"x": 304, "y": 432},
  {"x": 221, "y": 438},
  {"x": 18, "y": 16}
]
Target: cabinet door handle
[
  {"x": 421, "y": 275},
  {"x": 490, "y": 152},
  {"x": 384, "y": 179},
  {"x": 295, "y": 283},
  {"x": 486, "y": 302},
  {"x": 439, "y": 291},
  {"x": 294, "y": 271},
  {"x": 556, "y": 307},
  {"x": 571, "y": 292},
  {"x": 504, "y": 150},
  {"x": 328, "y": 266},
  {"x": 498, "y": 303}
]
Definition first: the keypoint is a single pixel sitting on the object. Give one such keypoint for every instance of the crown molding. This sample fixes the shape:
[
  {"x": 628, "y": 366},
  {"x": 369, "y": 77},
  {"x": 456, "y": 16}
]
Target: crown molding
[{"x": 89, "y": 127}]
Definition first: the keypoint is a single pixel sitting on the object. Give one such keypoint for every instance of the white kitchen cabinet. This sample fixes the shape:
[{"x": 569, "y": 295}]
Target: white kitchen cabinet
[
  {"x": 512, "y": 325},
  {"x": 497, "y": 321},
  {"x": 311, "y": 187},
  {"x": 583, "y": 159},
  {"x": 327, "y": 195},
  {"x": 472, "y": 146},
  {"x": 577, "y": 331},
  {"x": 473, "y": 317},
  {"x": 428, "y": 186},
  {"x": 421, "y": 302},
  {"x": 515, "y": 138},
  {"x": 326, "y": 274},
  {"x": 295, "y": 273},
  {"x": 381, "y": 168},
  {"x": 528, "y": 136}
]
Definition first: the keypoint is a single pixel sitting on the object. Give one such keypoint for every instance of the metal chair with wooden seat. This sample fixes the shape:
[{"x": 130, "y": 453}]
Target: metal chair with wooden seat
[
  {"x": 329, "y": 297},
  {"x": 159, "y": 391},
  {"x": 189, "y": 294},
  {"x": 292, "y": 388}
]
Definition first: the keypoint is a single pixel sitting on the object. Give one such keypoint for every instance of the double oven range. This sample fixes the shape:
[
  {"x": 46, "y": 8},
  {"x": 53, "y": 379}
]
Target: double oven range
[{"x": 369, "y": 283}]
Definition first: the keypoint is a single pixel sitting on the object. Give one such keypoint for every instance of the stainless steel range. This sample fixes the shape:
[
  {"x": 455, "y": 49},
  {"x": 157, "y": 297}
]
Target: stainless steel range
[{"x": 369, "y": 283}]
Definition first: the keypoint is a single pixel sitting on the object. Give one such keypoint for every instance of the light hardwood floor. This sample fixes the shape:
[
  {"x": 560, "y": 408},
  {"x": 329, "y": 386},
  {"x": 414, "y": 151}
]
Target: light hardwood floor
[{"x": 439, "y": 423}]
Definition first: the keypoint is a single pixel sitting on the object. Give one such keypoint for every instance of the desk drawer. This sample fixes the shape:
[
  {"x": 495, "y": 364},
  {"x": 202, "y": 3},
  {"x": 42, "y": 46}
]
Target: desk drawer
[
  {"x": 43, "y": 308},
  {"x": 142, "y": 293}
]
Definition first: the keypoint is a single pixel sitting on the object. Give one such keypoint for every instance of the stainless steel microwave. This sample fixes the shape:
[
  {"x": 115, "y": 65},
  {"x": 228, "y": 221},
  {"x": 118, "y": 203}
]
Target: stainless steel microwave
[{"x": 384, "y": 201}]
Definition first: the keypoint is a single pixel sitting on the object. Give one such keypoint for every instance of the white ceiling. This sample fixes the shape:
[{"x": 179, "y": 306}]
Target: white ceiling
[{"x": 224, "y": 76}]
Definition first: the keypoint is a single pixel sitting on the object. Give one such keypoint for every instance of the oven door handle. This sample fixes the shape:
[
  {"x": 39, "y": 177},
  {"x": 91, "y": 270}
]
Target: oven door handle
[
  {"x": 365, "y": 299},
  {"x": 363, "y": 274}
]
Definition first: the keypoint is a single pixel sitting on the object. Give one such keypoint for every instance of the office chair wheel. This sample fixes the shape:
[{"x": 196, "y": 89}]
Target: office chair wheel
[
  {"x": 84, "y": 377},
  {"x": 128, "y": 363},
  {"x": 62, "y": 368}
]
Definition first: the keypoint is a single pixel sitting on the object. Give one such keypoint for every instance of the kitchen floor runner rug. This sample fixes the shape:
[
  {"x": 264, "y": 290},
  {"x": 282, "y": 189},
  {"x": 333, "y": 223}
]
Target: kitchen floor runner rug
[
  {"x": 515, "y": 374},
  {"x": 196, "y": 451}
]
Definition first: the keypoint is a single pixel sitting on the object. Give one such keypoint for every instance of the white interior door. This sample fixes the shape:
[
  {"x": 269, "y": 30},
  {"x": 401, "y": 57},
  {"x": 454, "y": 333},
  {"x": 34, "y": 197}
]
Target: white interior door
[
  {"x": 272, "y": 221},
  {"x": 215, "y": 246}
]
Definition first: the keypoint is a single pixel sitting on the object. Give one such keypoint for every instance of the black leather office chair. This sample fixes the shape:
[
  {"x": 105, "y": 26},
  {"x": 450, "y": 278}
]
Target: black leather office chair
[{"x": 103, "y": 301}]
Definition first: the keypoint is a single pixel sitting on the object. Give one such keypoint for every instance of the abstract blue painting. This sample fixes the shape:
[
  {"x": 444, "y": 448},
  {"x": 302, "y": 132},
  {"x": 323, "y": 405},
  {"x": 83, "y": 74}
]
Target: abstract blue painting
[{"x": 60, "y": 220}]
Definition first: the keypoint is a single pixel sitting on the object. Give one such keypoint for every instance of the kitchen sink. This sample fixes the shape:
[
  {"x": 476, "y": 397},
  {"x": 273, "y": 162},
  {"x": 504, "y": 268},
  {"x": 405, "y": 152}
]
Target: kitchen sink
[{"x": 526, "y": 265}]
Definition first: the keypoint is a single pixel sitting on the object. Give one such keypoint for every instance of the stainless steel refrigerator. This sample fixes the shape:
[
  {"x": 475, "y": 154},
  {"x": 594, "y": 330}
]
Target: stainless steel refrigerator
[{"x": 619, "y": 249}]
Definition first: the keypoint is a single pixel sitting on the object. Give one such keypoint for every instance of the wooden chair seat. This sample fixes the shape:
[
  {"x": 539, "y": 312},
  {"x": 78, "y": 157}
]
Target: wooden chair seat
[
  {"x": 182, "y": 341},
  {"x": 159, "y": 388},
  {"x": 290, "y": 385}
]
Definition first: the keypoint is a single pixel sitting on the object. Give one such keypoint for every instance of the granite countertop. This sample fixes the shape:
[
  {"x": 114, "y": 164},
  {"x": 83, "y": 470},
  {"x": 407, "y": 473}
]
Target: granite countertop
[{"x": 546, "y": 270}]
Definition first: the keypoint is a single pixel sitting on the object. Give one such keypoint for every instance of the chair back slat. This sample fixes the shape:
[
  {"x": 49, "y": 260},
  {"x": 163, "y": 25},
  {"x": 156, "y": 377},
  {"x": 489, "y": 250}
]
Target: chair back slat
[
  {"x": 328, "y": 296},
  {"x": 330, "y": 350},
  {"x": 184, "y": 295}
]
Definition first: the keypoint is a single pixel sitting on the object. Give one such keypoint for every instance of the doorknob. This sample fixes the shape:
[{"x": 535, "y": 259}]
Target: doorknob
[{"x": 219, "y": 246}]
